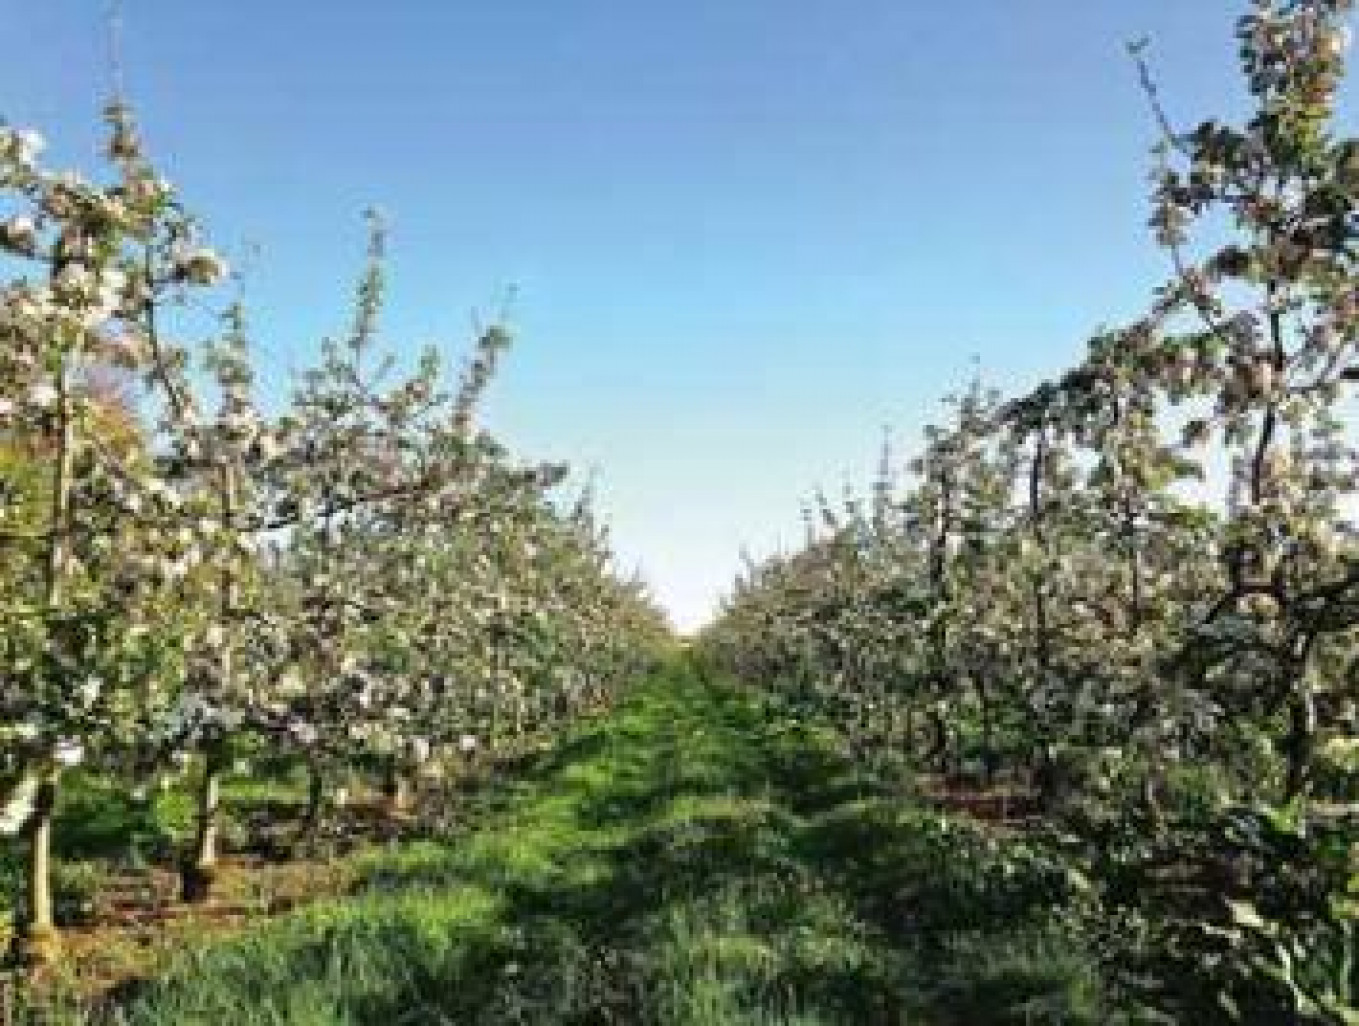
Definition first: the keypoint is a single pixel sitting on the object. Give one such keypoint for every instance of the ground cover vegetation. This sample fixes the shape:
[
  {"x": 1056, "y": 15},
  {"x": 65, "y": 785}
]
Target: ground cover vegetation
[
  {"x": 322, "y": 707},
  {"x": 702, "y": 854}
]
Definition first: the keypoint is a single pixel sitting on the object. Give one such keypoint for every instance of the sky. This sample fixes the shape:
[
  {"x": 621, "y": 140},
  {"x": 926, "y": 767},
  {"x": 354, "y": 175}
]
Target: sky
[{"x": 744, "y": 238}]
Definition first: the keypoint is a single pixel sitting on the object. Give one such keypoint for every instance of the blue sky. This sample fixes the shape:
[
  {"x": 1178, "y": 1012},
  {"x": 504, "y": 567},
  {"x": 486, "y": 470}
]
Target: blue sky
[{"x": 745, "y": 235}]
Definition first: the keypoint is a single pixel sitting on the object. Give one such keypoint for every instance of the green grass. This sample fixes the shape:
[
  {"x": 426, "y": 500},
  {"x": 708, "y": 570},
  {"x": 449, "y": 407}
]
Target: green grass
[{"x": 696, "y": 857}]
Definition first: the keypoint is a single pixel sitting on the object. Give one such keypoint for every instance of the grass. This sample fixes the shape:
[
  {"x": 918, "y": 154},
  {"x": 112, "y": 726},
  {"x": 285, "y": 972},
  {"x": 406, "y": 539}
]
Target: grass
[{"x": 695, "y": 857}]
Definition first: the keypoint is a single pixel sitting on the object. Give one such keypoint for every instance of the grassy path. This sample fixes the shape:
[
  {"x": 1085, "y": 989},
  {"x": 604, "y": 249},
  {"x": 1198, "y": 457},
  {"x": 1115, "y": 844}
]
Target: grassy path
[{"x": 693, "y": 858}]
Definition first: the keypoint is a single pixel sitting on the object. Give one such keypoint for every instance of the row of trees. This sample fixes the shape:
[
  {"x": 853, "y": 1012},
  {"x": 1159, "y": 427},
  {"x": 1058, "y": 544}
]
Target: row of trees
[
  {"x": 354, "y": 574},
  {"x": 1151, "y": 561}
]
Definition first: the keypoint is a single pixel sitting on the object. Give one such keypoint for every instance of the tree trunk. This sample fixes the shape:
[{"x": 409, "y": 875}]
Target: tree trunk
[
  {"x": 1298, "y": 746},
  {"x": 1151, "y": 795},
  {"x": 200, "y": 869},
  {"x": 37, "y": 940},
  {"x": 1046, "y": 776},
  {"x": 396, "y": 795},
  {"x": 316, "y": 793},
  {"x": 938, "y": 755},
  {"x": 988, "y": 740}
]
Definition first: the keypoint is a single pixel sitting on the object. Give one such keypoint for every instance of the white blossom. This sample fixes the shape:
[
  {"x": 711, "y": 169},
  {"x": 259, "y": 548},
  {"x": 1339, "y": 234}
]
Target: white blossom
[
  {"x": 90, "y": 689},
  {"x": 43, "y": 395}
]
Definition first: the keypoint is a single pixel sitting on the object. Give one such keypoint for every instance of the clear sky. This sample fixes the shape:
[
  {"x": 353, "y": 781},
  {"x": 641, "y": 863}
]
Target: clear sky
[{"x": 746, "y": 235}]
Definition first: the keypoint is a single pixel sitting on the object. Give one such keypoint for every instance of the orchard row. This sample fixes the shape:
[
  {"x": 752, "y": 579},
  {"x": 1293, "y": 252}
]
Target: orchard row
[
  {"x": 355, "y": 574},
  {"x": 1144, "y": 574}
]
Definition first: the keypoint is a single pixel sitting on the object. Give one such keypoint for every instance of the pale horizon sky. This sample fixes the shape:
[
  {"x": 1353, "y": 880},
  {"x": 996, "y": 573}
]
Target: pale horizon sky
[{"x": 744, "y": 235}]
